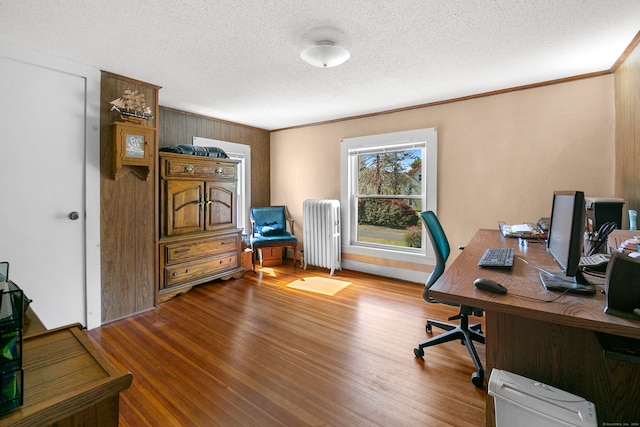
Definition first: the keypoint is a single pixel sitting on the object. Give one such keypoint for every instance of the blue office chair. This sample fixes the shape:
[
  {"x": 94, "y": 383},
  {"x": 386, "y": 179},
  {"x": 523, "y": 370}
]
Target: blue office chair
[
  {"x": 464, "y": 332},
  {"x": 269, "y": 229}
]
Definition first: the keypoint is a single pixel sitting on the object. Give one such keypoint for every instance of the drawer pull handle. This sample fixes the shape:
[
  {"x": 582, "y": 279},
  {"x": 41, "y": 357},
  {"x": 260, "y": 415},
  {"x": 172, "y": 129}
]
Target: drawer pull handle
[
  {"x": 189, "y": 169},
  {"x": 219, "y": 170},
  {"x": 178, "y": 251},
  {"x": 175, "y": 273},
  {"x": 188, "y": 270}
]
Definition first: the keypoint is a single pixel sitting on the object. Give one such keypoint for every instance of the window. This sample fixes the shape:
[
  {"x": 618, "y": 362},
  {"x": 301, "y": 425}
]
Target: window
[
  {"x": 388, "y": 195},
  {"x": 240, "y": 152},
  {"x": 387, "y": 180}
]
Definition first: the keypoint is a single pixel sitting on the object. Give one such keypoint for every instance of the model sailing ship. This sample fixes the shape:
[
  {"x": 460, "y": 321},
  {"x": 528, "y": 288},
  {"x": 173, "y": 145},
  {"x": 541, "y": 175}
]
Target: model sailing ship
[{"x": 132, "y": 107}]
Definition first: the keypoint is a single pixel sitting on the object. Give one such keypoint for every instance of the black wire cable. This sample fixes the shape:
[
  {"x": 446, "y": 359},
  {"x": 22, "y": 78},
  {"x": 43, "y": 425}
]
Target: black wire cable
[
  {"x": 543, "y": 270},
  {"x": 540, "y": 299}
]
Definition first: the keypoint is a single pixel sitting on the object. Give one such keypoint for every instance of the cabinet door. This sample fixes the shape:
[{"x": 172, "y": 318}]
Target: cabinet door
[
  {"x": 221, "y": 210},
  {"x": 183, "y": 211}
]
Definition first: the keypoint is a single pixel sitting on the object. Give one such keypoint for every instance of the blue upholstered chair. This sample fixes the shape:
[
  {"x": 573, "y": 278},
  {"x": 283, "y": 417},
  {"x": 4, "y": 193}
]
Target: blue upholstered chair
[
  {"x": 269, "y": 229},
  {"x": 464, "y": 332}
]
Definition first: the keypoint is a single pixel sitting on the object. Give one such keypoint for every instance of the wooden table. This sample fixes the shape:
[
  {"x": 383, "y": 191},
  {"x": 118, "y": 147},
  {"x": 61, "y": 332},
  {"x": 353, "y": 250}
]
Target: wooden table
[
  {"x": 67, "y": 381},
  {"x": 556, "y": 343}
]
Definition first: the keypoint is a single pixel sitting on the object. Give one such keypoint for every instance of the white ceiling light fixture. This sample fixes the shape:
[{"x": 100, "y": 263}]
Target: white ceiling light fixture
[{"x": 325, "y": 54}]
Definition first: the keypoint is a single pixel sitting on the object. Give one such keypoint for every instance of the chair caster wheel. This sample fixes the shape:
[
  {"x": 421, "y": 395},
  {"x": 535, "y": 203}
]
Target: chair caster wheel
[
  {"x": 477, "y": 379},
  {"x": 429, "y": 328},
  {"x": 418, "y": 352}
]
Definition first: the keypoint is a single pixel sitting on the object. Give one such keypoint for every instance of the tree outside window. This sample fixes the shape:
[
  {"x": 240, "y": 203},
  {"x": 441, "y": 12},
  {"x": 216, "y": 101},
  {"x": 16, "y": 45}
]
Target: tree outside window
[{"x": 390, "y": 197}]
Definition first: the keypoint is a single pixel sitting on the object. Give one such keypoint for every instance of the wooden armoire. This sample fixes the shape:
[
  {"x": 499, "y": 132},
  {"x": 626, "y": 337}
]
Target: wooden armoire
[{"x": 199, "y": 240}]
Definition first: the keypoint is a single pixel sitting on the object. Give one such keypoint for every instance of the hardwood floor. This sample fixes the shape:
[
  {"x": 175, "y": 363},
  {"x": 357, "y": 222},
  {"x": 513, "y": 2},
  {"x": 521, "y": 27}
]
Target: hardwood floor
[{"x": 254, "y": 352}]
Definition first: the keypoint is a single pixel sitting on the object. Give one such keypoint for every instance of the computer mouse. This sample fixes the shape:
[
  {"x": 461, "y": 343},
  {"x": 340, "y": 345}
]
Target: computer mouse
[{"x": 490, "y": 285}]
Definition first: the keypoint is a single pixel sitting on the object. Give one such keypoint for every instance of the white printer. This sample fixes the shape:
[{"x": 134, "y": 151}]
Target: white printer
[{"x": 523, "y": 402}]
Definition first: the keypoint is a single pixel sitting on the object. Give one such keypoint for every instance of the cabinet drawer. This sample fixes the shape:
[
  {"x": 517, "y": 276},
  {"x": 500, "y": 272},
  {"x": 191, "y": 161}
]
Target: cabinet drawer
[
  {"x": 181, "y": 252},
  {"x": 175, "y": 275},
  {"x": 195, "y": 168}
]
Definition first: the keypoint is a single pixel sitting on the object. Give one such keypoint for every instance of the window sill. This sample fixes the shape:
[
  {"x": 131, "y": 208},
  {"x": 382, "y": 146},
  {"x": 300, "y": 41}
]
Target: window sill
[{"x": 388, "y": 263}]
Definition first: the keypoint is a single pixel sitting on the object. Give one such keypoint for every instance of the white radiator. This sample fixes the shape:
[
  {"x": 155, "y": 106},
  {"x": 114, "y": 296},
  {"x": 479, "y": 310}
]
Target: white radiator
[{"x": 322, "y": 245}]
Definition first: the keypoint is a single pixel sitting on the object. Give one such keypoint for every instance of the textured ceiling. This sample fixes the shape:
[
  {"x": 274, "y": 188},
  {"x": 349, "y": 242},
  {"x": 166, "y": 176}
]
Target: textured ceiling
[{"x": 239, "y": 60}]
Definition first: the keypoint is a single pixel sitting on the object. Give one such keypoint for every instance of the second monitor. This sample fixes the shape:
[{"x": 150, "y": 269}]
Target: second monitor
[{"x": 565, "y": 243}]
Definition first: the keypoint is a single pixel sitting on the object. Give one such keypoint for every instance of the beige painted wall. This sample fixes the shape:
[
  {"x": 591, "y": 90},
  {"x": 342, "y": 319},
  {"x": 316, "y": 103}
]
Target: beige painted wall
[{"x": 499, "y": 157}]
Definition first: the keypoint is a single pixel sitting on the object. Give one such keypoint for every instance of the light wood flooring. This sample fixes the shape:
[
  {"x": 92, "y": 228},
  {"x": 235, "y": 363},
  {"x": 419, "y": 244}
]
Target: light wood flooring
[{"x": 252, "y": 352}]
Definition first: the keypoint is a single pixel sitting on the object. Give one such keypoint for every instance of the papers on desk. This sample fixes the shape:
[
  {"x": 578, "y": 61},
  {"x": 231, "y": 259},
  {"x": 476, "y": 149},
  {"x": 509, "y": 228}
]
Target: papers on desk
[
  {"x": 525, "y": 231},
  {"x": 630, "y": 245}
]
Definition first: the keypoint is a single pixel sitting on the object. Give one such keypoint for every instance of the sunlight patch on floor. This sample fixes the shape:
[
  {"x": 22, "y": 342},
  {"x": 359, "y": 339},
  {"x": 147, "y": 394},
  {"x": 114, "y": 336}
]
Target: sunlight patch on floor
[
  {"x": 320, "y": 285},
  {"x": 268, "y": 271}
]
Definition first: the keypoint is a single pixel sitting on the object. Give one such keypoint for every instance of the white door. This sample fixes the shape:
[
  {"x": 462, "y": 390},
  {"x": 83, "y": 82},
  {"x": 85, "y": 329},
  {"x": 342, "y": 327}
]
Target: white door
[{"x": 42, "y": 178}]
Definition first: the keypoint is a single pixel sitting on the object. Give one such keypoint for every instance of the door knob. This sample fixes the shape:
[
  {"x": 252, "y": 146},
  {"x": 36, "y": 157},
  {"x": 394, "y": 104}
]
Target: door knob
[{"x": 74, "y": 216}]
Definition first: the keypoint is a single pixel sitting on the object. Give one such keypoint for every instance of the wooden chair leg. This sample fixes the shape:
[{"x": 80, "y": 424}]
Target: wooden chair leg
[
  {"x": 295, "y": 247},
  {"x": 253, "y": 259}
]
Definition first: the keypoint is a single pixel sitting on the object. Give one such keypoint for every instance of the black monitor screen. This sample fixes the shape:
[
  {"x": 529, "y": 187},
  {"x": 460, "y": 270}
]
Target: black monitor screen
[
  {"x": 566, "y": 234},
  {"x": 567, "y": 229}
]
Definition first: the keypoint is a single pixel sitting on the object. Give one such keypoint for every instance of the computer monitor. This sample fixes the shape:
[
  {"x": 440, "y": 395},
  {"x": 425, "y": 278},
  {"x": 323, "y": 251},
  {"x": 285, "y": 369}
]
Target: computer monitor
[{"x": 564, "y": 243}]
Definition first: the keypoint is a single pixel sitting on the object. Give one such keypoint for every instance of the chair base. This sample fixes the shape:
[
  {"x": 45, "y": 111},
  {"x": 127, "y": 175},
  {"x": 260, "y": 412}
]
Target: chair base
[{"x": 465, "y": 333}]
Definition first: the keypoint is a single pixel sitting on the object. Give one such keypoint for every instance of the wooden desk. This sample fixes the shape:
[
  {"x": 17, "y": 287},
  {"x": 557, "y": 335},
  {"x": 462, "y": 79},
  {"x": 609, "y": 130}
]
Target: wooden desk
[
  {"x": 67, "y": 381},
  {"x": 553, "y": 343}
]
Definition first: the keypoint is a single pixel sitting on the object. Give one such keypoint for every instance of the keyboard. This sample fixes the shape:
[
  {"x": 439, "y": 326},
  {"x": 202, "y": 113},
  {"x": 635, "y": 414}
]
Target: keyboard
[
  {"x": 597, "y": 262},
  {"x": 497, "y": 258},
  {"x": 594, "y": 260}
]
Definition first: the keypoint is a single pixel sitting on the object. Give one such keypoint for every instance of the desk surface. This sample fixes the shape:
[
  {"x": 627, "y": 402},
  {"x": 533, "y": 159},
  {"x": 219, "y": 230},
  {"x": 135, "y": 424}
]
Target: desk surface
[
  {"x": 67, "y": 380},
  {"x": 550, "y": 342},
  {"x": 456, "y": 285}
]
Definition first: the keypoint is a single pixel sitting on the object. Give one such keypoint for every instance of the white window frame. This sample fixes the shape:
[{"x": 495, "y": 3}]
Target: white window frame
[
  {"x": 348, "y": 169},
  {"x": 240, "y": 152}
]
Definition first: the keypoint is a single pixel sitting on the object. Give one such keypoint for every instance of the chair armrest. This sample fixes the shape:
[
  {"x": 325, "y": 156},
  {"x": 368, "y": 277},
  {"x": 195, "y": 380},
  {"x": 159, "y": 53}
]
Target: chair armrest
[
  {"x": 291, "y": 224},
  {"x": 289, "y": 219}
]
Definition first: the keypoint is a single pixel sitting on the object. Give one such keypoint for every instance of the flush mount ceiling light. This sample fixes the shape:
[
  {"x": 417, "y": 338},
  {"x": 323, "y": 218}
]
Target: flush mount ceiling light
[{"x": 325, "y": 54}]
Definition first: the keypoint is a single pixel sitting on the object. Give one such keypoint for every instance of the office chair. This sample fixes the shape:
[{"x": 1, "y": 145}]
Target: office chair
[{"x": 464, "y": 332}]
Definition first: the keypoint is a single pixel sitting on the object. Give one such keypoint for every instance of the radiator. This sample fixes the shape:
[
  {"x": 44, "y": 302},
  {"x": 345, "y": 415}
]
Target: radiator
[{"x": 322, "y": 245}]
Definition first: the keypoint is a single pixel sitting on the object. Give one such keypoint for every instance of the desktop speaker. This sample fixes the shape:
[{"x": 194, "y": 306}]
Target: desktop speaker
[{"x": 622, "y": 286}]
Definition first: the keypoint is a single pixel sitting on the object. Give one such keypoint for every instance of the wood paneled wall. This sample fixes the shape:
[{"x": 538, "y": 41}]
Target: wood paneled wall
[
  {"x": 128, "y": 215},
  {"x": 627, "y": 98},
  {"x": 179, "y": 127}
]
